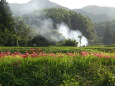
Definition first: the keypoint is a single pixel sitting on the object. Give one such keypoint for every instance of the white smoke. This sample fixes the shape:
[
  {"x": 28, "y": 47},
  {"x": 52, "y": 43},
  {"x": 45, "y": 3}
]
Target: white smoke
[
  {"x": 61, "y": 33},
  {"x": 72, "y": 34},
  {"x": 49, "y": 32}
]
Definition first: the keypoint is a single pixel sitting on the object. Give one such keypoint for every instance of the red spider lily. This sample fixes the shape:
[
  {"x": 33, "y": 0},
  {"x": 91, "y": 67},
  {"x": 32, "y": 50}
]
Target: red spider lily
[
  {"x": 113, "y": 50},
  {"x": 53, "y": 55},
  {"x": 34, "y": 55},
  {"x": 3, "y": 55},
  {"x": 84, "y": 53},
  {"x": 33, "y": 50},
  {"x": 24, "y": 56},
  {"x": 39, "y": 49},
  {"x": 108, "y": 57},
  {"x": 15, "y": 52},
  {"x": 27, "y": 54},
  {"x": 42, "y": 54},
  {"x": 14, "y": 55},
  {"x": 18, "y": 53},
  {"x": 8, "y": 53},
  {"x": 101, "y": 55},
  {"x": 70, "y": 54}
]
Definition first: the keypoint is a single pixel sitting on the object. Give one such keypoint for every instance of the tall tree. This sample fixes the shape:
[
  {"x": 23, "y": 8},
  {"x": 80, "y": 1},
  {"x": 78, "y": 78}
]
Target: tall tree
[
  {"x": 113, "y": 38},
  {"x": 107, "y": 36},
  {"x": 6, "y": 24},
  {"x": 6, "y": 19},
  {"x": 22, "y": 31},
  {"x": 80, "y": 38}
]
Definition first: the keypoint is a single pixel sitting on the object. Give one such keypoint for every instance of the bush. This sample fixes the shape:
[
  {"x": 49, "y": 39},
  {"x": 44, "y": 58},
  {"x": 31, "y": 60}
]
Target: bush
[{"x": 70, "y": 42}]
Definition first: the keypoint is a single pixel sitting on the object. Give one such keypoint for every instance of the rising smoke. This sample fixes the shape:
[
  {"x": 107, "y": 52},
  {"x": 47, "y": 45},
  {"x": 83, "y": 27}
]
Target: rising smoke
[
  {"x": 72, "y": 34},
  {"x": 62, "y": 32},
  {"x": 47, "y": 31}
]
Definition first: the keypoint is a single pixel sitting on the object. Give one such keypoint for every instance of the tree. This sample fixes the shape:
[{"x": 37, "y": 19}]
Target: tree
[
  {"x": 113, "y": 38},
  {"x": 6, "y": 24},
  {"x": 6, "y": 19},
  {"x": 69, "y": 42},
  {"x": 80, "y": 38},
  {"x": 22, "y": 32},
  {"x": 107, "y": 36}
]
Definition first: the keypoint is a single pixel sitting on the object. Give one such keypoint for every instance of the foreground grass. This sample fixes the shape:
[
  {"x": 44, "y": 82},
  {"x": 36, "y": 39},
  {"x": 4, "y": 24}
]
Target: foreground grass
[
  {"x": 61, "y": 71},
  {"x": 57, "y": 66}
]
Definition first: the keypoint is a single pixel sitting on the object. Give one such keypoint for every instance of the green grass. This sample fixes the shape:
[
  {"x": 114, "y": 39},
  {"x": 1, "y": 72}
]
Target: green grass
[
  {"x": 57, "y": 71},
  {"x": 59, "y": 49}
]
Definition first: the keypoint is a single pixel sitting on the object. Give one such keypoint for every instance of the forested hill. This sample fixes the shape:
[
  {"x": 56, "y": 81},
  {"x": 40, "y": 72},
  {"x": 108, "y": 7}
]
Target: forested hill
[
  {"x": 20, "y": 9},
  {"x": 97, "y": 13}
]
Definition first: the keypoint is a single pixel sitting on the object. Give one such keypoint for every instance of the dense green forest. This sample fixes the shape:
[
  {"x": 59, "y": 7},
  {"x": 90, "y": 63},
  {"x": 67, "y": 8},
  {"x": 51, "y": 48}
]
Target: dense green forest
[
  {"x": 106, "y": 31},
  {"x": 25, "y": 30}
]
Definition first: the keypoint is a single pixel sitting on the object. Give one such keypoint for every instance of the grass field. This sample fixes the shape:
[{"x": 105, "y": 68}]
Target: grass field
[{"x": 57, "y": 66}]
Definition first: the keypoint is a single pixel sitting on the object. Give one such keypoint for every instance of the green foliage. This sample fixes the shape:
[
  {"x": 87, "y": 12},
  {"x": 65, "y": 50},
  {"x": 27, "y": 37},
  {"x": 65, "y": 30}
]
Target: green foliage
[
  {"x": 107, "y": 37},
  {"x": 41, "y": 41},
  {"x": 6, "y": 24},
  {"x": 6, "y": 19},
  {"x": 13, "y": 32},
  {"x": 22, "y": 32},
  {"x": 103, "y": 33},
  {"x": 52, "y": 71},
  {"x": 70, "y": 42}
]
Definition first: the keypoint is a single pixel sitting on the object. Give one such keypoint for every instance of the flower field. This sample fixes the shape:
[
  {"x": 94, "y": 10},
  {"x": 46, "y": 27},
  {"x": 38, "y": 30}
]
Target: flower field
[{"x": 57, "y": 66}]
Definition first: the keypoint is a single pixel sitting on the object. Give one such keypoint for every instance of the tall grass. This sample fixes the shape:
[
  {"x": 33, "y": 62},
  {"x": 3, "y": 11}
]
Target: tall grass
[{"x": 61, "y": 71}]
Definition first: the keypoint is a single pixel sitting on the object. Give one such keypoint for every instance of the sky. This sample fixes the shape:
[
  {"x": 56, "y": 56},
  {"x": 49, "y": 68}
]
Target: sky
[{"x": 72, "y": 4}]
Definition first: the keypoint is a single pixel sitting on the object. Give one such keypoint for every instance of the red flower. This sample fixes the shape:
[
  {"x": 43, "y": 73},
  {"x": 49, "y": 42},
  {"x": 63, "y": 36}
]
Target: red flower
[
  {"x": 53, "y": 55},
  {"x": 114, "y": 50},
  {"x": 70, "y": 54},
  {"x": 8, "y": 53},
  {"x": 24, "y": 56},
  {"x": 34, "y": 55},
  {"x": 39, "y": 49},
  {"x": 33, "y": 50},
  {"x": 84, "y": 53}
]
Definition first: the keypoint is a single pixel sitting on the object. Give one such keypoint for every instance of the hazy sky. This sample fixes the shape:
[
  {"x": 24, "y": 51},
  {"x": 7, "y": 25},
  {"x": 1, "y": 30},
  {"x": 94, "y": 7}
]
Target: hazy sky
[{"x": 75, "y": 3}]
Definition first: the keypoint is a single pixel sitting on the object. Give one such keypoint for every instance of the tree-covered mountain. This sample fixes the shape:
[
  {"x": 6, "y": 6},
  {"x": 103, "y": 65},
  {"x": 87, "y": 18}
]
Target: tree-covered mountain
[
  {"x": 21, "y": 9},
  {"x": 97, "y": 13}
]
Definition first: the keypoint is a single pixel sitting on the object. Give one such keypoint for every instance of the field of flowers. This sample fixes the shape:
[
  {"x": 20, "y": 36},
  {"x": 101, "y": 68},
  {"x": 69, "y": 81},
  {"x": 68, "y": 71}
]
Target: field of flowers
[{"x": 57, "y": 66}]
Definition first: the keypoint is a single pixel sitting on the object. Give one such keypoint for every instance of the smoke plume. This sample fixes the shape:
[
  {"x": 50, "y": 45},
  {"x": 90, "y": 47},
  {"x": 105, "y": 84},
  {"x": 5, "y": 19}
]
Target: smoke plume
[
  {"x": 62, "y": 32},
  {"x": 72, "y": 34}
]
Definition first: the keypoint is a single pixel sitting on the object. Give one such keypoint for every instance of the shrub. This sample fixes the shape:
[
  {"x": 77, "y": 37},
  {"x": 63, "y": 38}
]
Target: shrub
[{"x": 70, "y": 42}]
